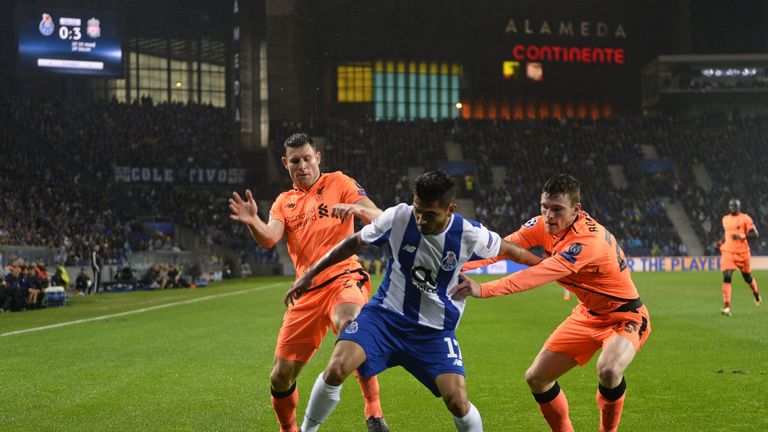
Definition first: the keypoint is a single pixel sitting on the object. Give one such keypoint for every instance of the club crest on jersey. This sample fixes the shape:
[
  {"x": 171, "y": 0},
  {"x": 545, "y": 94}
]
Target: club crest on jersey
[
  {"x": 351, "y": 328},
  {"x": 531, "y": 222},
  {"x": 450, "y": 262}
]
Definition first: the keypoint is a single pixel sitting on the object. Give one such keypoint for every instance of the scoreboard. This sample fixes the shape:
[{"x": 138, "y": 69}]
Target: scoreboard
[{"x": 78, "y": 42}]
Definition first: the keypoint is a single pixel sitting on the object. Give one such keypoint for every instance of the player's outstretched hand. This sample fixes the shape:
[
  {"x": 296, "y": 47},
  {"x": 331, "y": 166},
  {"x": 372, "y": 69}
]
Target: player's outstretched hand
[
  {"x": 243, "y": 211},
  {"x": 299, "y": 287},
  {"x": 343, "y": 211},
  {"x": 465, "y": 288}
]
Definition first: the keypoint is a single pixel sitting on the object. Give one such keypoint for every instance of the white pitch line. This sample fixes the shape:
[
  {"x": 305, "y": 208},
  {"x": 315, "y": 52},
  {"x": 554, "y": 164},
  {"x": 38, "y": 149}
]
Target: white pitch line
[{"x": 138, "y": 311}]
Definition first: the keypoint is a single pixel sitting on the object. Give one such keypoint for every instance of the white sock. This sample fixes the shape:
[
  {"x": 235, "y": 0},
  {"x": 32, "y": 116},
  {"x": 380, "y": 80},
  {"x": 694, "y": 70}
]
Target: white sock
[
  {"x": 470, "y": 422},
  {"x": 321, "y": 403}
]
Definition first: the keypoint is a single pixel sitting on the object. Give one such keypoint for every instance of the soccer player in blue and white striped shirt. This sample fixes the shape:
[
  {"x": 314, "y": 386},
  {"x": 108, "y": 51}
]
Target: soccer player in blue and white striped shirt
[{"x": 411, "y": 321}]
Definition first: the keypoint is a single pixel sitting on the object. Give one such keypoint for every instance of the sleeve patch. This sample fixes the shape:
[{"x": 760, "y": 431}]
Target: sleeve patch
[
  {"x": 575, "y": 249},
  {"x": 531, "y": 223},
  {"x": 568, "y": 257}
]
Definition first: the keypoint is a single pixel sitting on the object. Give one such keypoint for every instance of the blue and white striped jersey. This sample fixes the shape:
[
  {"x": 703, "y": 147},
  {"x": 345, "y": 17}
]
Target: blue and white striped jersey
[{"x": 423, "y": 267}]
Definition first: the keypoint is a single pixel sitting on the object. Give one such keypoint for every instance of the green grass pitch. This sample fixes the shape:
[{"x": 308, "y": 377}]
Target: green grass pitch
[{"x": 202, "y": 363}]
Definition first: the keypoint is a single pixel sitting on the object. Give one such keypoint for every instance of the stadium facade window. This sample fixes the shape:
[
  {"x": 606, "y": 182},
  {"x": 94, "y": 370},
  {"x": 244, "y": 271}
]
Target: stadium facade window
[
  {"x": 354, "y": 82},
  {"x": 264, "y": 91},
  {"x": 401, "y": 89},
  {"x": 169, "y": 71},
  {"x": 533, "y": 108}
]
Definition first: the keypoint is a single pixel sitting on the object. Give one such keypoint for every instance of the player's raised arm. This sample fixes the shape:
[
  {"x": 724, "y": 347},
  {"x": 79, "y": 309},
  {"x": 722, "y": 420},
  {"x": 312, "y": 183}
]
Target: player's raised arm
[
  {"x": 517, "y": 254},
  {"x": 246, "y": 212},
  {"x": 364, "y": 209},
  {"x": 348, "y": 247},
  {"x": 507, "y": 250},
  {"x": 548, "y": 270}
]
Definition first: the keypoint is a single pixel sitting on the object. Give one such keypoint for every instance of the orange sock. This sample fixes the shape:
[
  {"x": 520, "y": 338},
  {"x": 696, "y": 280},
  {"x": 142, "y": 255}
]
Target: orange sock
[
  {"x": 554, "y": 405},
  {"x": 284, "y": 404},
  {"x": 370, "y": 389},
  {"x": 611, "y": 404},
  {"x": 727, "y": 294},
  {"x": 755, "y": 291}
]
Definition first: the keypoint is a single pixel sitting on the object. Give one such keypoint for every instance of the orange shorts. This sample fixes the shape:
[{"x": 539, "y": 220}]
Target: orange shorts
[
  {"x": 307, "y": 320},
  {"x": 582, "y": 334},
  {"x": 733, "y": 261}
]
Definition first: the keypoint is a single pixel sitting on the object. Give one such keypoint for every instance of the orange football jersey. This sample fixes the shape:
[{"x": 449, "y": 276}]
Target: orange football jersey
[
  {"x": 599, "y": 274},
  {"x": 309, "y": 227},
  {"x": 739, "y": 223}
]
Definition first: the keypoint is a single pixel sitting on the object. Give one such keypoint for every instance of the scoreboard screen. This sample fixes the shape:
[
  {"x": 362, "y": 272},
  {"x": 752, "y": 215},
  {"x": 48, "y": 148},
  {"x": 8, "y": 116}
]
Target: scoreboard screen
[{"x": 78, "y": 42}]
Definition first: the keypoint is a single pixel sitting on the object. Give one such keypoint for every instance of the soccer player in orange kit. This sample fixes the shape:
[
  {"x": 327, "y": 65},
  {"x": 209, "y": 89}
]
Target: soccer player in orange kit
[
  {"x": 734, "y": 247},
  {"x": 585, "y": 258},
  {"x": 315, "y": 215}
]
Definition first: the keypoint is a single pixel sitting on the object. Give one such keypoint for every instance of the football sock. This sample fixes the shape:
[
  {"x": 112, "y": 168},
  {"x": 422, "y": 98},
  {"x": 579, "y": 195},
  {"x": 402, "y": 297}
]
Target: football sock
[
  {"x": 611, "y": 403},
  {"x": 284, "y": 404},
  {"x": 727, "y": 294},
  {"x": 472, "y": 422},
  {"x": 370, "y": 389},
  {"x": 554, "y": 405},
  {"x": 753, "y": 285},
  {"x": 322, "y": 401}
]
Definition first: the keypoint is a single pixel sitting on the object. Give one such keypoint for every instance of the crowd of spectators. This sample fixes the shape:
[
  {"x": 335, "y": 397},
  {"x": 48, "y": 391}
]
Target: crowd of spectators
[
  {"x": 22, "y": 285},
  {"x": 69, "y": 219},
  {"x": 61, "y": 193},
  {"x": 99, "y": 135},
  {"x": 732, "y": 151},
  {"x": 529, "y": 151}
]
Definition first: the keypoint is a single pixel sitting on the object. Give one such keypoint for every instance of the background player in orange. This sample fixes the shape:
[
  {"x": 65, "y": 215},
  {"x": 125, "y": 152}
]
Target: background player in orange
[
  {"x": 315, "y": 215},
  {"x": 734, "y": 247},
  {"x": 585, "y": 258}
]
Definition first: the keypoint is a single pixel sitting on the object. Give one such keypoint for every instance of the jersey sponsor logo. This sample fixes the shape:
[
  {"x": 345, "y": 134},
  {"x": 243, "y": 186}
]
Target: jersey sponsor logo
[
  {"x": 322, "y": 209},
  {"x": 575, "y": 249},
  {"x": 423, "y": 279},
  {"x": 351, "y": 328},
  {"x": 450, "y": 262},
  {"x": 409, "y": 248},
  {"x": 531, "y": 222}
]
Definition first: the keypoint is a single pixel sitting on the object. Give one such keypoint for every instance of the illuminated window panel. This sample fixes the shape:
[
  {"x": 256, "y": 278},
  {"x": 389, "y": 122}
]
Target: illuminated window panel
[
  {"x": 415, "y": 89},
  {"x": 354, "y": 82}
]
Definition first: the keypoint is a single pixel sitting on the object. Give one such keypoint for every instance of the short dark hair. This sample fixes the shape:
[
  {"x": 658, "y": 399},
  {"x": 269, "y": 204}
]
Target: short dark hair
[
  {"x": 434, "y": 186},
  {"x": 298, "y": 140},
  {"x": 563, "y": 184}
]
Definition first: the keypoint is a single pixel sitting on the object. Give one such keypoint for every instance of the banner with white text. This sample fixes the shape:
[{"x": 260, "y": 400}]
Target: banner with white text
[
  {"x": 642, "y": 264},
  {"x": 221, "y": 176}
]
